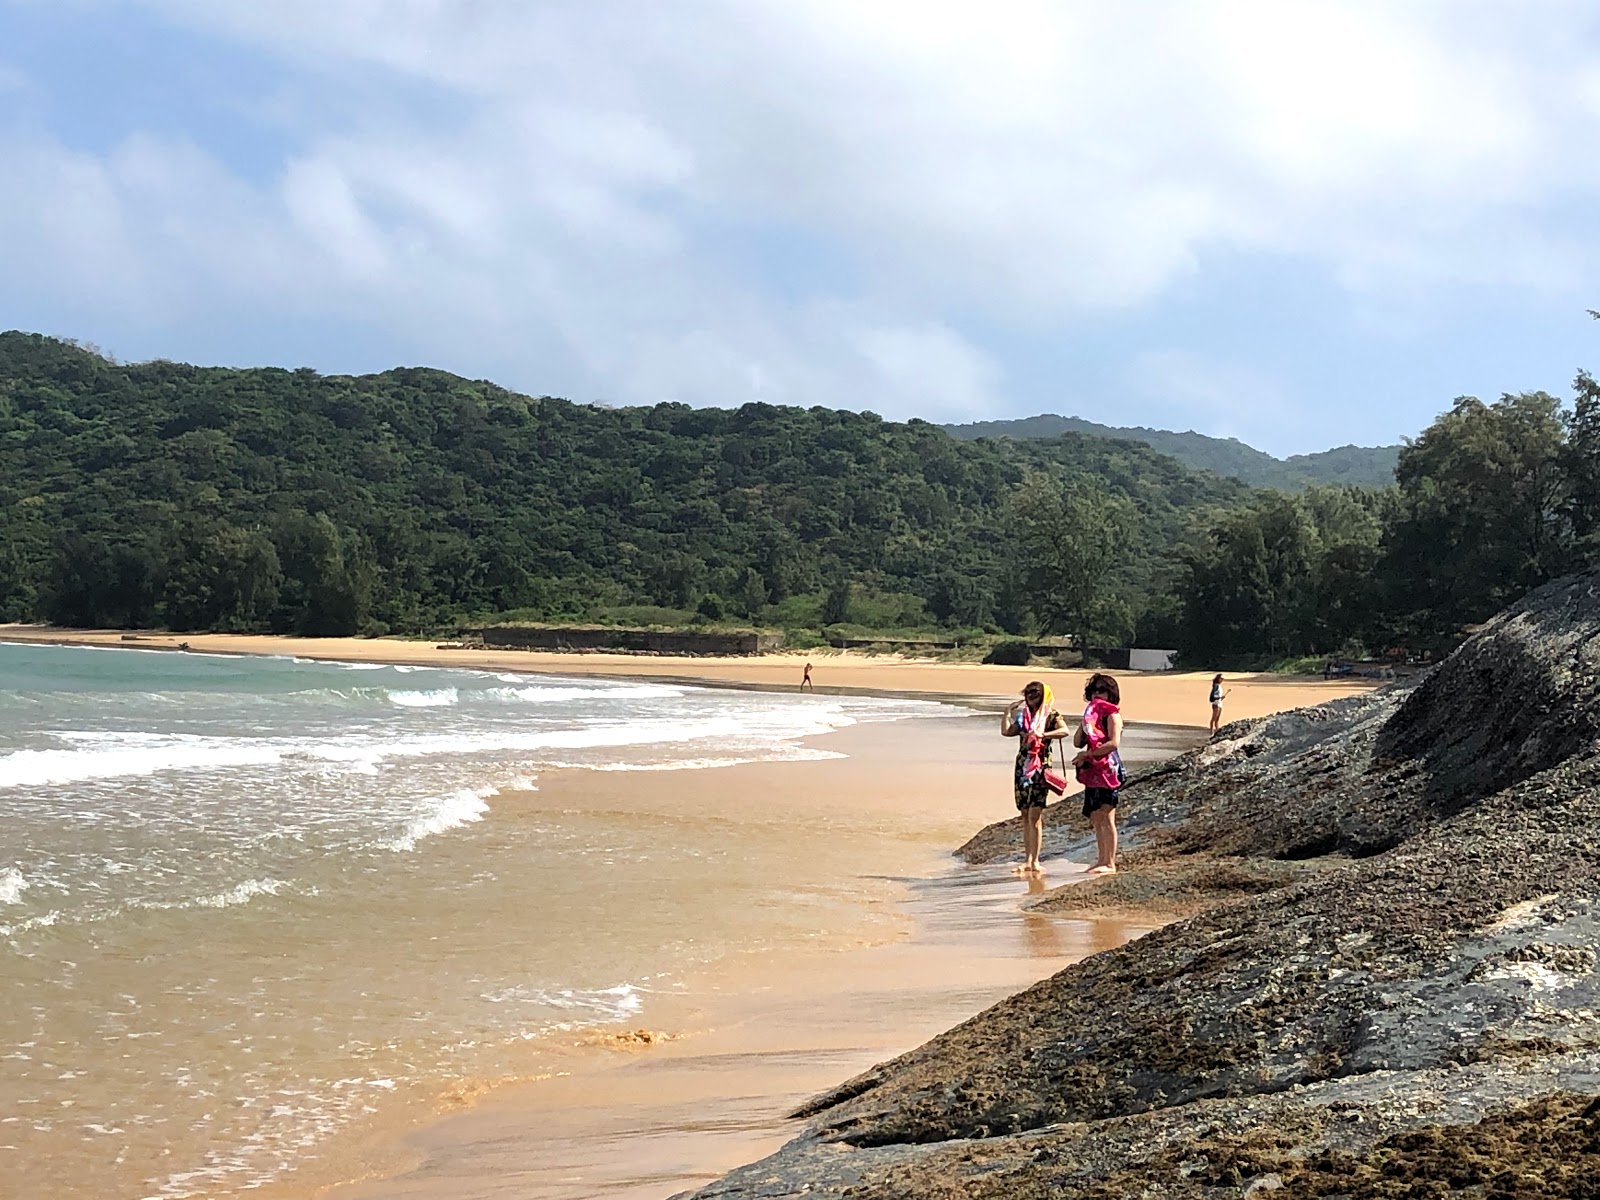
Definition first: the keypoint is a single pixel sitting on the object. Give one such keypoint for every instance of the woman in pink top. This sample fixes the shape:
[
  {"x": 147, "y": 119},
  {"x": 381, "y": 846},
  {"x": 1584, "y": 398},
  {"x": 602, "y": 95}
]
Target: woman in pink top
[{"x": 1099, "y": 766}]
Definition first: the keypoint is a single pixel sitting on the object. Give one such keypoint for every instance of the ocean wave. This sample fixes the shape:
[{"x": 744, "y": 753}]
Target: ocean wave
[
  {"x": 446, "y": 812},
  {"x": 560, "y": 695},
  {"x": 618, "y": 1003},
  {"x": 45, "y": 768},
  {"x": 242, "y": 894},
  {"x": 49, "y": 918},
  {"x": 12, "y": 884},
  {"x": 437, "y": 698},
  {"x": 757, "y": 729}
]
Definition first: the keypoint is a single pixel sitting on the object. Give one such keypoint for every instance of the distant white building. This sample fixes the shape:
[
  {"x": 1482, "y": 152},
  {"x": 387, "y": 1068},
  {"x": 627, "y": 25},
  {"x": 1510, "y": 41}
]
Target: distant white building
[{"x": 1151, "y": 660}]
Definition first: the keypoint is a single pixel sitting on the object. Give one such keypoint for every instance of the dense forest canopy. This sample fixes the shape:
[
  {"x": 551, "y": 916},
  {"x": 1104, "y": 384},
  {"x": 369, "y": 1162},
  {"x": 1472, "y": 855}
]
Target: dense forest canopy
[
  {"x": 158, "y": 493},
  {"x": 1365, "y": 466}
]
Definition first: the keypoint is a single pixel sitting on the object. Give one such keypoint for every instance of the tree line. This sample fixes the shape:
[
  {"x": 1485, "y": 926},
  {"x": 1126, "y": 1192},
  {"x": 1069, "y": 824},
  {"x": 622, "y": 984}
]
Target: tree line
[
  {"x": 1489, "y": 501},
  {"x": 159, "y": 494},
  {"x": 164, "y": 495}
]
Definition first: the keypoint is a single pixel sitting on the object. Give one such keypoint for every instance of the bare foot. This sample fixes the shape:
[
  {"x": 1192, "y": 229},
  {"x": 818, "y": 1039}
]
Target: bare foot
[
  {"x": 1032, "y": 869},
  {"x": 1097, "y": 869}
]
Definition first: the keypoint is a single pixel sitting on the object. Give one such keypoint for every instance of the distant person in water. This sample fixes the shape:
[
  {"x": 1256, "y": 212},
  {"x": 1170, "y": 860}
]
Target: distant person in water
[
  {"x": 1217, "y": 697},
  {"x": 1099, "y": 766},
  {"x": 805, "y": 680},
  {"x": 1035, "y": 721}
]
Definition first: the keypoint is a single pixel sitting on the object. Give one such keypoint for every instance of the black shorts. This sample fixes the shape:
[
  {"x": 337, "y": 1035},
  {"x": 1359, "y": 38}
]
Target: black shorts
[{"x": 1094, "y": 798}]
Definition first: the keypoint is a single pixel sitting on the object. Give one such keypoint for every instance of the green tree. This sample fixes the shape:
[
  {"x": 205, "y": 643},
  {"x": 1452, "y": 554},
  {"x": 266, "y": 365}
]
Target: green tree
[
  {"x": 1068, "y": 537},
  {"x": 1580, "y": 463},
  {"x": 752, "y": 593},
  {"x": 1484, "y": 513},
  {"x": 836, "y": 604},
  {"x": 320, "y": 596},
  {"x": 217, "y": 576}
]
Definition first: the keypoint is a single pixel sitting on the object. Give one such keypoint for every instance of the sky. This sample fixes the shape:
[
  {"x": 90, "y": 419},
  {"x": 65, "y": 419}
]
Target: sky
[{"x": 1301, "y": 224}]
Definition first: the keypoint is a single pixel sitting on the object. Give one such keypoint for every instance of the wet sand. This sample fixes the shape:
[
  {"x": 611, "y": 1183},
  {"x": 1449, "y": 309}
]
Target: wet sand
[
  {"x": 710, "y": 1088},
  {"x": 1167, "y": 698},
  {"x": 664, "y": 1119}
]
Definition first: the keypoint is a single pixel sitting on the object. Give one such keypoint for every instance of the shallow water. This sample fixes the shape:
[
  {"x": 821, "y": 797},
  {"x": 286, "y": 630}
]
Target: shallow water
[{"x": 250, "y": 905}]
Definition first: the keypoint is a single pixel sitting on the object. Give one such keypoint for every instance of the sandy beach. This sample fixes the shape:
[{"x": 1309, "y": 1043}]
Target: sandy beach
[
  {"x": 707, "y": 1087},
  {"x": 902, "y": 944},
  {"x": 1167, "y": 698}
]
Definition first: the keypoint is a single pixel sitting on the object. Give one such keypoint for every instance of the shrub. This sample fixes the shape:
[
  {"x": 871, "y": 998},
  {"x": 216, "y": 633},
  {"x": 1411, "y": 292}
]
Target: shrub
[{"x": 1009, "y": 654}]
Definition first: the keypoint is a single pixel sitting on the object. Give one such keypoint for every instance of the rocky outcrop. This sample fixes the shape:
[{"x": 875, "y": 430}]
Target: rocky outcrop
[{"x": 1393, "y": 991}]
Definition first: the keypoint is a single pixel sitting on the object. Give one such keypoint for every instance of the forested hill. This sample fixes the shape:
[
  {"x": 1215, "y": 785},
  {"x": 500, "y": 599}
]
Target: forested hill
[
  {"x": 1369, "y": 466},
  {"x": 159, "y": 493}
]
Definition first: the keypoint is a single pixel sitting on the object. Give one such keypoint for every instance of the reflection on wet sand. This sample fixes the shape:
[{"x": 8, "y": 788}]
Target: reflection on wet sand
[{"x": 655, "y": 1123}]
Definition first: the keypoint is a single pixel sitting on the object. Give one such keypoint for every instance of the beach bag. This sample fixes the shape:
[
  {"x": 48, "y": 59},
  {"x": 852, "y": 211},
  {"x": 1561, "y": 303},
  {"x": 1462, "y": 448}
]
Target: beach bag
[{"x": 1055, "y": 780}]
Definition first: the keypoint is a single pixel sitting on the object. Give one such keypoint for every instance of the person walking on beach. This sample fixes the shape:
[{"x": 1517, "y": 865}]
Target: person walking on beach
[
  {"x": 805, "y": 680},
  {"x": 1035, "y": 721},
  {"x": 1099, "y": 766},
  {"x": 1217, "y": 697}
]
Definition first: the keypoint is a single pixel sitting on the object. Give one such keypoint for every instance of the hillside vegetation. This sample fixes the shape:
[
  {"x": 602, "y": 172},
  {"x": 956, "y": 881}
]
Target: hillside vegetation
[
  {"x": 1366, "y": 466},
  {"x": 159, "y": 493},
  {"x": 204, "y": 498}
]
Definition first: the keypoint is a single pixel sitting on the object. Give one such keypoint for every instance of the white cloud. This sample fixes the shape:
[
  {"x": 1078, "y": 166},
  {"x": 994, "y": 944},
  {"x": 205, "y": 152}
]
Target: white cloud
[
  {"x": 1219, "y": 398},
  {"x": 947, "y": 377},
  {"x": 569, "y": 175}
]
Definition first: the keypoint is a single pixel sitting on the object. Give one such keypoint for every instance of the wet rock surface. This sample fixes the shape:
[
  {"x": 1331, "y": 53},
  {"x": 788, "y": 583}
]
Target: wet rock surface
[{"x": 1391, "y": 989}]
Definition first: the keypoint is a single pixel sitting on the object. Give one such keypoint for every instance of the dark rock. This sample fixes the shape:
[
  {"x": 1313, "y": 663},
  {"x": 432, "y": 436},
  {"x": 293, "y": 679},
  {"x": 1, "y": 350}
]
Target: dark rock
[{"x": 1393, "y": 991}]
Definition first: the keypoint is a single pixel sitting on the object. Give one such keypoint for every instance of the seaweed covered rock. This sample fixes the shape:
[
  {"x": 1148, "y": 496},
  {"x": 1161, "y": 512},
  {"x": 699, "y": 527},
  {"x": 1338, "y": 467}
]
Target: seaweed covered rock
[{"x": 1402, "y": 986}]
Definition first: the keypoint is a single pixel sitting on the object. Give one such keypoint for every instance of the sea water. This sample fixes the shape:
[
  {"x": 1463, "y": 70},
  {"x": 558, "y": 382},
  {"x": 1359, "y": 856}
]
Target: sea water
[{"x": 249, "y": 903}]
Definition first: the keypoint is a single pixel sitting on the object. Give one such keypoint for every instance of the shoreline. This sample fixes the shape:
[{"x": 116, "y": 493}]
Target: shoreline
[
  {"x": 397, "y": 1162},
  {"x": 1175, "y": 699},
  {"x": 714, "y": 1084}
]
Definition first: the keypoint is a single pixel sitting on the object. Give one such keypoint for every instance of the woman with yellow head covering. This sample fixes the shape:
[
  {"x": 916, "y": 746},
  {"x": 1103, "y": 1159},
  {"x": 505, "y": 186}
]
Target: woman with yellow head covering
[{"x": 1035, "y": 721}]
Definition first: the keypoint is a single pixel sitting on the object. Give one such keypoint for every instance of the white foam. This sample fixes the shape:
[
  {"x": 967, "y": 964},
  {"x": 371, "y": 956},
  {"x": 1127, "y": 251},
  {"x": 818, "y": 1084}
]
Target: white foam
[
  {"x": 779, "y": 754},
  {"x": 111, "y": 755},
  {"x": 243, "y": 894},
  {"x": 618, "y": 1003},
  {"x": 42, "y": 768},
  {"x": 49, "y": 918},
  {"x": 438, "y": 698},
  {"x": 445, "y": 812},
  {"x": 562, "y": 695},
  {"x": 12, "y": 885}
]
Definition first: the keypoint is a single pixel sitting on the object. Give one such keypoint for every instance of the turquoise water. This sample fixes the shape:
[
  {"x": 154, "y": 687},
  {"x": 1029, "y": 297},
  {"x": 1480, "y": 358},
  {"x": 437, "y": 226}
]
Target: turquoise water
[{"x": 249, "y": 903}]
